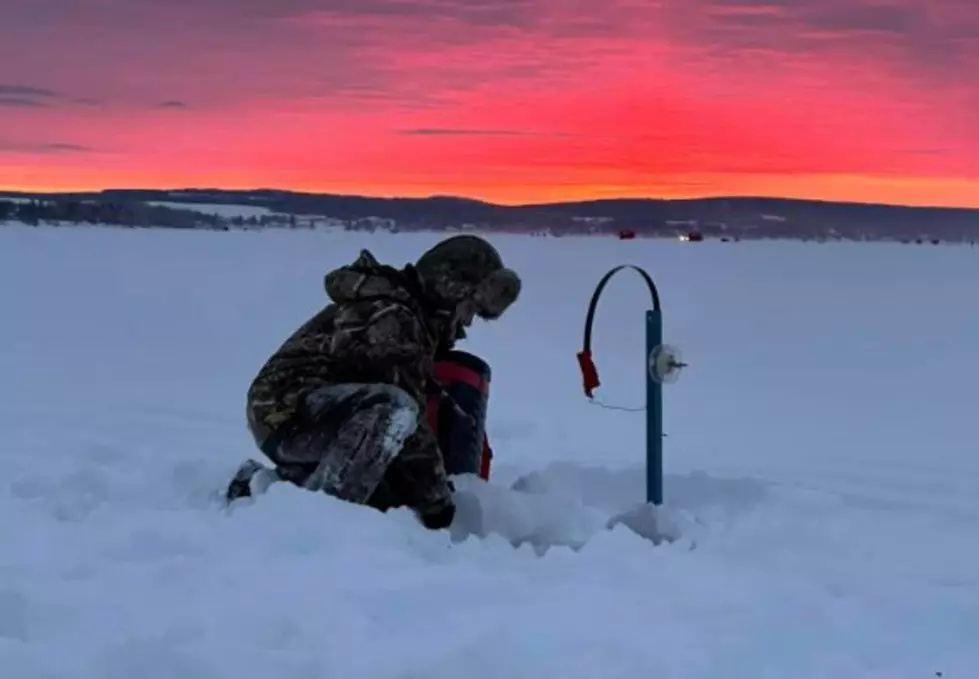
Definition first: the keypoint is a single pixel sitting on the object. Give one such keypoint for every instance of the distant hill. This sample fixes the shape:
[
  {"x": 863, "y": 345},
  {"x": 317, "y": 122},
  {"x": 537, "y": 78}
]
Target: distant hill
[{"x": 734, "y": 218}]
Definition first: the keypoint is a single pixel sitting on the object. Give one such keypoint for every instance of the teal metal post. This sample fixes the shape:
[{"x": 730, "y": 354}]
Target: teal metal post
[
  {"x": 654, "y": 411},
  {"x": 654, "y": 386}
]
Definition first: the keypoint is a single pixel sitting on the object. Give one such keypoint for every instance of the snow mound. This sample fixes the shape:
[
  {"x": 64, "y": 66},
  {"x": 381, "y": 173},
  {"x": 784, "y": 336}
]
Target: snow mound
[{"x": 566, "y": 504}]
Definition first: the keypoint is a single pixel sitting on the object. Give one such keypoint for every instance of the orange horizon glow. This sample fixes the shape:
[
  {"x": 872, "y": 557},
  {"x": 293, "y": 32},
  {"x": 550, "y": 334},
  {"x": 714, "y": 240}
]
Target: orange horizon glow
[
  {"x": 519, "y": 103},
  {"x": 909, "y": 192}
]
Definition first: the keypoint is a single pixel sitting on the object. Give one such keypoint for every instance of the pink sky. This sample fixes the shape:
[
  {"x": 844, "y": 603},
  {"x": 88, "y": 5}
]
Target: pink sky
[{"x": 512, "y": 101}]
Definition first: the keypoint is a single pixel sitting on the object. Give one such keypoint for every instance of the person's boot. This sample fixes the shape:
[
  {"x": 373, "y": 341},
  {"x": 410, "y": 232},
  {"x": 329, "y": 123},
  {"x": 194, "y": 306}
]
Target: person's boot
[{"x": 252, "y": 478}]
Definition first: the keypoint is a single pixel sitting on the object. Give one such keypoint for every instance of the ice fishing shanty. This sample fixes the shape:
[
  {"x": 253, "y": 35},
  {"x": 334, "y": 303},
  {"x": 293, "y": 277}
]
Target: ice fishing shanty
[{"x": 662, "y": 366}]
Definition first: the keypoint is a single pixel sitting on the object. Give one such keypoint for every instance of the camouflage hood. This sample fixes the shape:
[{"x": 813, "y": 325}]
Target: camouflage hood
[
  {"x": 457, "y": 270},
  {"x": 366, "y": 278},
  {"x": 467, "y": 267}
]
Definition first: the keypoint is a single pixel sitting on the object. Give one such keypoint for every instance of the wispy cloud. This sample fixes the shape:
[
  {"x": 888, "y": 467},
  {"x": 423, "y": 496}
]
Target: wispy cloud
[
  {"x": 27, "y": 91},
  {"x": 463, "y": 132},
  {"x": 44, "y": 147},
  {"x": 26, "y": 96},
  {"x": 30, "y": 96},
  {"x": 63, "y": 147}
]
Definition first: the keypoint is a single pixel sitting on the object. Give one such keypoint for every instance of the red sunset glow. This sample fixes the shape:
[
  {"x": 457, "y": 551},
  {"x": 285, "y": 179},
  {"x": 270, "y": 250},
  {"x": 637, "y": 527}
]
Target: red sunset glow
[{"x": 511, "y": 101}]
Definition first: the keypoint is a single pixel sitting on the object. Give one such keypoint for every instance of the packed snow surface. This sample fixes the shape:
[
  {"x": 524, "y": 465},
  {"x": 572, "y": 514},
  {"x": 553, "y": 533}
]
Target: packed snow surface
[
  {"x": 219, "y": 209},
  {"x": 822, "y": 461}
]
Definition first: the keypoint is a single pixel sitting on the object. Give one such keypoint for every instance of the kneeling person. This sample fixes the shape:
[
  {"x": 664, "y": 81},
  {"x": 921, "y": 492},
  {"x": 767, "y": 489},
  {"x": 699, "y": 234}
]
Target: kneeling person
[{"x": 340, "y": 407}]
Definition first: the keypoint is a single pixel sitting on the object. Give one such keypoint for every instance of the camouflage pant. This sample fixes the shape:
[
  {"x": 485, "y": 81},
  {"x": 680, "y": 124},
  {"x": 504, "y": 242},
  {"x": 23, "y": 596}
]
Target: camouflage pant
[{"x": 346, "y": 438}]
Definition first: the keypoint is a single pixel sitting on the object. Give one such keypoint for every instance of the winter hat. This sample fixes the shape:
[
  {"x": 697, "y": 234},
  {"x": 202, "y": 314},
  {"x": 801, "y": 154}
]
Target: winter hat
[{"x": 468, "y": 267}]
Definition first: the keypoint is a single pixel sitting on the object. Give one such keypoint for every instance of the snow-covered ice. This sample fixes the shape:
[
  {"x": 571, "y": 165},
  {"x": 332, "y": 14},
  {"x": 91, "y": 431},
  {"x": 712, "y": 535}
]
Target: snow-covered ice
[
  {"x": 822, "y": 467},
  {"x": 219, "y": 209}
]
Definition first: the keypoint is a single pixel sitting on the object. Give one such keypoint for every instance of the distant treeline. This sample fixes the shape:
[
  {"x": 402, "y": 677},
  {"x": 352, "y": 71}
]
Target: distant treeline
[
  {"x": 137, "y": 214},
  {"x": 129, "y": 214},
  {"x": 726, "y": 219}
]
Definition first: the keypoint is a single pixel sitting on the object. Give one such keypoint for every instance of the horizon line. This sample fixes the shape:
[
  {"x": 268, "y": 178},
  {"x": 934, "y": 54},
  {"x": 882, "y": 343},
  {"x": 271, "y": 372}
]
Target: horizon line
[{"x": 462, "y": 197}]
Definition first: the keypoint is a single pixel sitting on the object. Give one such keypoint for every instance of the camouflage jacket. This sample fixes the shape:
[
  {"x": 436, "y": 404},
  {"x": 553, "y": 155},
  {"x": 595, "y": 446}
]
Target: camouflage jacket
[{"x": 377, "y": 329}]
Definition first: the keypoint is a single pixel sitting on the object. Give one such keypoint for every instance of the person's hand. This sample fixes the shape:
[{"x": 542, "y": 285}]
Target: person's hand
[{"x": 438, "y": 517}]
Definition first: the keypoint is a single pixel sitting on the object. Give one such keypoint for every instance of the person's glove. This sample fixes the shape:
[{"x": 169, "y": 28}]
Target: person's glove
[{"x": 439, "y": 516}]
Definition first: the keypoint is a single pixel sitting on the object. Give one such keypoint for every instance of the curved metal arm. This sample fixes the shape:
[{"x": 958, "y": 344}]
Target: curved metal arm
[{"x": 588, "y": 371}]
